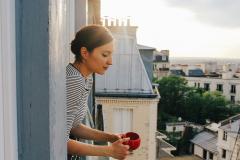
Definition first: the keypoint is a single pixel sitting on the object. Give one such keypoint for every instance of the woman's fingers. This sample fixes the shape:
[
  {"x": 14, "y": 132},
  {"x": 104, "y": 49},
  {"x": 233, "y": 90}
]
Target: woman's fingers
[
  {"x": 121, "y": 150},
  {"x": 123, "y": 140}
]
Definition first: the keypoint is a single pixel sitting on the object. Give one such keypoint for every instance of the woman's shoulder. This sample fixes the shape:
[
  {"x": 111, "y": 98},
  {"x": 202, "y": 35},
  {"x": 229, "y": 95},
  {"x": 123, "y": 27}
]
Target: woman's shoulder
[{"x": 71, "y": 71}]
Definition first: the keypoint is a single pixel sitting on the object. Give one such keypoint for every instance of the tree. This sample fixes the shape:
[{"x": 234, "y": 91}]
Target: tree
[
  {"x": 172, "y": 90},
  {"x": 215, "y": 106},
  {"x": 190, "y": 103},
  {"x": 193, "y": 106}
]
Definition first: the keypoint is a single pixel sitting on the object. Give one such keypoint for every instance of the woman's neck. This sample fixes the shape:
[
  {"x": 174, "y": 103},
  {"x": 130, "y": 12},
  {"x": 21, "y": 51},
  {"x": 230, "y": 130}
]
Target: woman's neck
[{"x": 82, "y": 68}]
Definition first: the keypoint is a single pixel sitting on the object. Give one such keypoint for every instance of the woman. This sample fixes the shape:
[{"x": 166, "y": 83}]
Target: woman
[{"x": 93, "y": 48}]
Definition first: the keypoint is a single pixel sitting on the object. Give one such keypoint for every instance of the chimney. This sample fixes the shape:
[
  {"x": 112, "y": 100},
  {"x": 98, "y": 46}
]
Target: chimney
[
  {"x": 112, "y": 22},
  {"x": 117, "y": 22},
  {"x": 101, "y": 22},
  {"x": 128, "y": 21},
  {"x": 122, "y": 22},
  {"x": 106, "y": 21}
]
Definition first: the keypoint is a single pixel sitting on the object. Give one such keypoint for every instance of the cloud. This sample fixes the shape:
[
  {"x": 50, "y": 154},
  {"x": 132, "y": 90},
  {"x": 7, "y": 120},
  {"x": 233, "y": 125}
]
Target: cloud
[{"x": 221, "y": 13}]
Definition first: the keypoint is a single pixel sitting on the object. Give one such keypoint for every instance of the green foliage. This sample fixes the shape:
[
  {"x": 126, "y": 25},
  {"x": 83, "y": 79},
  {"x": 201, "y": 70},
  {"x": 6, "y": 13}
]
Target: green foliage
[
  {"x": 172, "y": 90},
  {"x": 192, "y": 104},
  {"x": 184, "y": 143},
  {"x": 155, "y": 79},
  {"x": 181, "y": 140},
  {"x": 162, "y": 119}
]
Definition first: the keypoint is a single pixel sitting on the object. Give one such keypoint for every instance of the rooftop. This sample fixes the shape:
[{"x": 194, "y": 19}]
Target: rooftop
[
  {"x": 176, "y": 123},
  {"x": 206, "y": 140},
  {"x": 128, "y": 76},
  {"x": 142, "y": 47},
  {"x": 213, "y": 127},
  {"x": 232, "y": 127}
]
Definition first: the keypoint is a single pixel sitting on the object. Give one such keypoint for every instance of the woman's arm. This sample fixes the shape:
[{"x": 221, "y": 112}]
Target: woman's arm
[
  {"x": 116, "y": 150},
  {"x": 85, "y": 132}
]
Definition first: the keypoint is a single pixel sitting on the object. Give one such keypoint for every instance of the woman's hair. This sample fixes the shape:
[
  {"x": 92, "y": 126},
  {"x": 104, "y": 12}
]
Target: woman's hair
[{"x": 91, "y": 37}]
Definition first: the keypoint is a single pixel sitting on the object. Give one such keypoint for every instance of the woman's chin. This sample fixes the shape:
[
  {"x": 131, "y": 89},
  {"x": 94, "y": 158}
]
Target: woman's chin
[{"x": 101, "y": 72}]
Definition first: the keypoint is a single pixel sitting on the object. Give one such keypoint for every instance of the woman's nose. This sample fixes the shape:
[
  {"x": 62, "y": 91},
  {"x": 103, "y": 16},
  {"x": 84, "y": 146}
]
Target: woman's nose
[{"x": 109, "y": 61}]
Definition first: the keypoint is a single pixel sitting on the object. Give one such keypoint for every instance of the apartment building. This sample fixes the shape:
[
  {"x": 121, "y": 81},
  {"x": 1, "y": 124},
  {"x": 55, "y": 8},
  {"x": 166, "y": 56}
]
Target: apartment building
[
  {"x": 229, "y": 86},
  {"x": 205, "y": 145},
  {"x": 220, "y": 143},
  {"x": 161, "y": 63}
]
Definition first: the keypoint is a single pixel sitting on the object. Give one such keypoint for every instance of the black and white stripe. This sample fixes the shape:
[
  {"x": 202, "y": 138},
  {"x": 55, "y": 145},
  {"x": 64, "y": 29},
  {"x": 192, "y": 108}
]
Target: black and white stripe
[{"x": 78, "y": 89}]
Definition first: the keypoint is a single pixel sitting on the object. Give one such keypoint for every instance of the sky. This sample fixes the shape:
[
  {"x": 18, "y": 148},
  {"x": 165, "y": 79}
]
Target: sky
[{"x": 188, "y": 28}]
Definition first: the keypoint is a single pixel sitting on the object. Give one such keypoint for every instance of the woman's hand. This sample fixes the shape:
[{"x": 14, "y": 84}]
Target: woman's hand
[
  {"x": 115, "y": 137},
  {"x": 118, "y": 150}
]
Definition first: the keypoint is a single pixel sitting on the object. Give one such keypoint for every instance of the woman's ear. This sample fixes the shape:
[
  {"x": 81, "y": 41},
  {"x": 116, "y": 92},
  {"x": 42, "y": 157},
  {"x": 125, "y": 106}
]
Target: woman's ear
[{"x": 84, "y": 53}]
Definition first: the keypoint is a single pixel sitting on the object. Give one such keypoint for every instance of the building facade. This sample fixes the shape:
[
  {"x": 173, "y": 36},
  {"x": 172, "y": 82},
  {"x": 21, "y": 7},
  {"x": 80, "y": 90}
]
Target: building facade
[
  {"x": 222, "y": 143},
  {"x": 161, "y": 64},
  {"x": 205, "y": 145},
  {"x": 230, "y": 87},
  {"x": 229, "y": 139},
  {"x": 125, "y": 93}
]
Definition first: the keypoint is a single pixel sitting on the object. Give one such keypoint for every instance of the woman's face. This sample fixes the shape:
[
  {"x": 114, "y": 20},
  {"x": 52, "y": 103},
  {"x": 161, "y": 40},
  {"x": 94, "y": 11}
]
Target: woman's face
[{"x": 100, "y": 58}]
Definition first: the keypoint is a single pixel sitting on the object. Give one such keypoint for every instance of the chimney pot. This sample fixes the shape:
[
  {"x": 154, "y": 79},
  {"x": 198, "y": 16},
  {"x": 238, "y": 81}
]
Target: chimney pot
[
  {"x": 128, "y": 22},
  {"x": 112, "y": 22},
  {"x": 106, "y": 21},
  {"x": 117, "y": 22}
]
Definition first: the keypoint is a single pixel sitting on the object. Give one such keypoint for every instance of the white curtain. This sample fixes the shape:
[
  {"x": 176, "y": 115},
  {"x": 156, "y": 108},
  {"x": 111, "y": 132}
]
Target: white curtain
[{"x": 122, "y": 120}]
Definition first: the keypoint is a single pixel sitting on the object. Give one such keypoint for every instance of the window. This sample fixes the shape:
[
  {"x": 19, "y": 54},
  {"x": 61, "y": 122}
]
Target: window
[
  {"x": 164, "y": 66},
  {"x": 233, "y": 99},
  {"x": 233, "y": 89},
  {"x": 174, "y": 128},
  {"x": 223, "y": 153},
  {"x": 206, "y": 86},
  {"x": 219, "y": 87},
  {"x": 122, "y": 121},
  {"x": 210, "y": 155},
  {"x": 204, "y": 154},
  {"x": 164, "y": 58},
  {"x": 224, "y": 135},
  {"x": 198, "y": 85}
]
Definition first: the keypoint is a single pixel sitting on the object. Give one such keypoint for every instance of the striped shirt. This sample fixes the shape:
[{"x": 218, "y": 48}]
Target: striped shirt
[{"x": 78, "y": 89}]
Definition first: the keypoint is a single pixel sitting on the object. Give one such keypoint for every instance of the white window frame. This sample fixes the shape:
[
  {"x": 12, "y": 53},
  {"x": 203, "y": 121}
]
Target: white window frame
[{"x": 8, "y": 102}]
